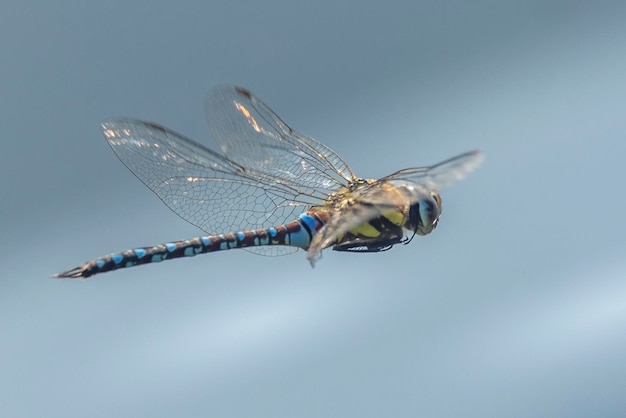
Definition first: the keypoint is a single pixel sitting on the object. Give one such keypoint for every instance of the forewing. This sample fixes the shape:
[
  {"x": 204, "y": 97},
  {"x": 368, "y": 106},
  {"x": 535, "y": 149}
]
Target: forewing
[
  {"x": 200, "y": 185},
  {"x": 250, "y": 134},
  {"x": 443, "y": 174}
]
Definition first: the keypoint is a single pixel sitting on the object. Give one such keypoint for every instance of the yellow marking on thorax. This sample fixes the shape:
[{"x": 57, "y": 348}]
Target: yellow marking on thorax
[
  {"x": 367, "y": 230},
  {"x": 396, "y": 217},
  {"x": 394, "y": 208}
]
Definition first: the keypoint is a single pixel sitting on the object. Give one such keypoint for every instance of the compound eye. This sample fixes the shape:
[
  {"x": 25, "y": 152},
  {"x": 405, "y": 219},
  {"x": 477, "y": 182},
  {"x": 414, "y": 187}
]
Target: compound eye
[
  {"x": 437, "y": 198},
  {"x": 429, "y": 211}
]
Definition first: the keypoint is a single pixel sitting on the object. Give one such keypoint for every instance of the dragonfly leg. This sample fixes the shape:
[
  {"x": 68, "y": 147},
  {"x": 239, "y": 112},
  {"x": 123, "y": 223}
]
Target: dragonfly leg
[{"x": 364, "y": 246}]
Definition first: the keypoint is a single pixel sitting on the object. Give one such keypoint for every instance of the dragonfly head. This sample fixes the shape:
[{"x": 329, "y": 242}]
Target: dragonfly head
[{"x": 424, "y": 213}]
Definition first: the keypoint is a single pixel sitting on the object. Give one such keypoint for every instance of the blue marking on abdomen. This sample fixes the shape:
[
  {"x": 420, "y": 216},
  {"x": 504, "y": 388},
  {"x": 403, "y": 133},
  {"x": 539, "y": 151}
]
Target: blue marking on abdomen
[
  {"x": 263, "y": 240},
  {"x": 273, "y": 231},
  {"x": 241, "y": 236},
  {"x": 100, "y": 262},
  {"x": 139, "y": 252},
  {"x": 206, "y": 241},
  {"x": 117, "y": 258},
  {"x": 309, "y": 220},
  {"x": 300, "y": 239},
  {"x": 170, "y": 246}
]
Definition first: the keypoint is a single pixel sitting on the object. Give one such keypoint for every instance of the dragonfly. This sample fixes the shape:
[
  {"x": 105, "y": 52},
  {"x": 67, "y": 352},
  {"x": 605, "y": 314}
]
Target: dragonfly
[{"x": 275, "y": 188}]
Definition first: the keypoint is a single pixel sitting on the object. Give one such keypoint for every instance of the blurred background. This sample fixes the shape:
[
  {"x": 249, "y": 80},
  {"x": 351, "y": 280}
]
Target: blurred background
[{"x": 515, "y": 306}]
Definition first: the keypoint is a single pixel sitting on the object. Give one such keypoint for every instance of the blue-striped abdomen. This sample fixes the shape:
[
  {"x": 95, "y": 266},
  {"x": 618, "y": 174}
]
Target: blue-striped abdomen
[{"x": 298, "y": 233}]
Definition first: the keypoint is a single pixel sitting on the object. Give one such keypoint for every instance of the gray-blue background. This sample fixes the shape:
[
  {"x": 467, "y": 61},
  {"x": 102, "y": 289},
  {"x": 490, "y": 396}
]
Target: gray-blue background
[{"x": 515, "y": 306}]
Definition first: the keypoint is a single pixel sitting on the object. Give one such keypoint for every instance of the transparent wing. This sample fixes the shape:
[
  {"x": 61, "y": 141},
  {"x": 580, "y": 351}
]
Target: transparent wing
[
  {"x": 202, "y": 186},
  {"x": 443, "y": 174},
  {"x": 250, "y": 134}
]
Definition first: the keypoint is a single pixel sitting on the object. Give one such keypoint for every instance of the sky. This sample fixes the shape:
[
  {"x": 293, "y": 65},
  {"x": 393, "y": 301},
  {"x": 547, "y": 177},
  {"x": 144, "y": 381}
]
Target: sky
[{"x": 515, "y": 306}]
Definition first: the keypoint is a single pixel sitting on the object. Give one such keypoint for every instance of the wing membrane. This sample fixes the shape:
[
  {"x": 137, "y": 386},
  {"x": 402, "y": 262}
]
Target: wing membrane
[
  {"x": 249, "y": 133},
  {"x": 265, "y": 175},
  {"x": 202, "y": 186},
  {"x": 443, "y": 174}
]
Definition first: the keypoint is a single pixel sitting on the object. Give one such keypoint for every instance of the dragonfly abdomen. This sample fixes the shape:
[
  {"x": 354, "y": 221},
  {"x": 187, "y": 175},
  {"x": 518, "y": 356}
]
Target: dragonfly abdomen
[{"x": 298, "y": 233}]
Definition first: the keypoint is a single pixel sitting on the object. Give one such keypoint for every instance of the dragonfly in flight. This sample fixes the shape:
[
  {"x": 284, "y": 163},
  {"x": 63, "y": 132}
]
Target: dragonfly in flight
[{"x": 276, "y": 189}]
